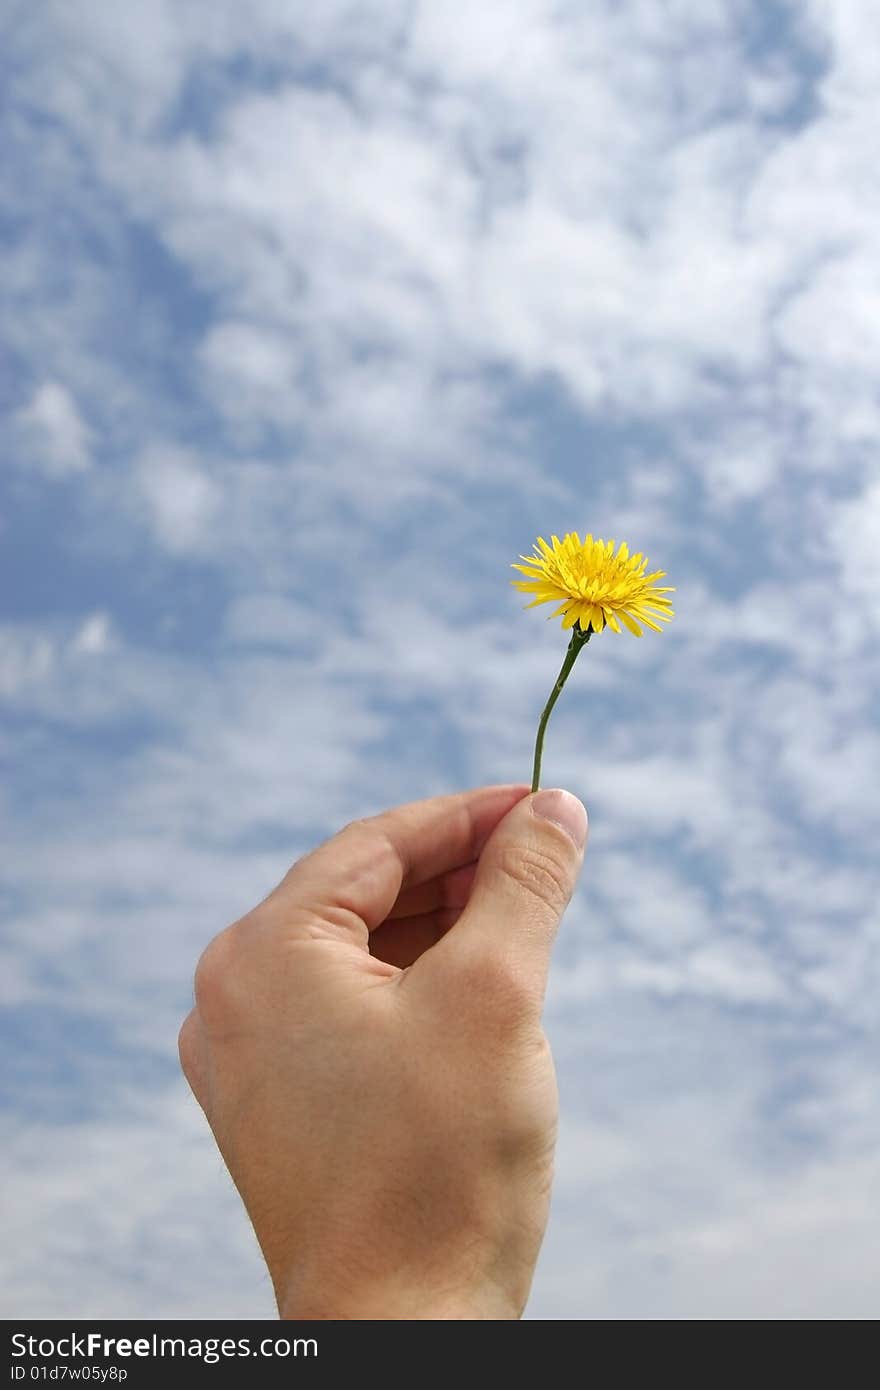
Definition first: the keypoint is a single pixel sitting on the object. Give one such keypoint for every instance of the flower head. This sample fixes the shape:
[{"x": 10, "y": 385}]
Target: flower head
[{"x": 595, "y": 586}]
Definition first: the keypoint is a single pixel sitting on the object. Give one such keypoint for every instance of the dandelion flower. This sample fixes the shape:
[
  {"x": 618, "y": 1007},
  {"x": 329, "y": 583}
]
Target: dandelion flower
[
  {"x": 595, "y": 586},
  {"x": 594, "y": 589}
]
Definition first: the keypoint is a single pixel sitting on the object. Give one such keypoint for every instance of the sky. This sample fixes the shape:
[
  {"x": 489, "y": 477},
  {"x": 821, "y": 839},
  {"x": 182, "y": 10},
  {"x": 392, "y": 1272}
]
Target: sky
[{"x": 312, "y": 318}]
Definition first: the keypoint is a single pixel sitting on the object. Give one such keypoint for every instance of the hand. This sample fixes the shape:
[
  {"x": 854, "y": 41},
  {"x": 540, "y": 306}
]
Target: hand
[{"x": 367, "y": 1047}]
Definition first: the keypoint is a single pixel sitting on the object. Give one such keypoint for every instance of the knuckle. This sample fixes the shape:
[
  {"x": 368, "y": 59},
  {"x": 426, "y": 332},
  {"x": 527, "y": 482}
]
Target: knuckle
[
  {"x": 193, "y": 1060},
  {"x": 540, "y": 873},
  {"x": 215, "y": 972},
  {"x": 505, "y": 988},
  {"x": 363, "y": 825},
  {"x": 354, "y": 827},
  {"x": 186, "y": 1044},
  {"x": 513, "y": 991},
  {"x": 375, "y": 831},
  {"x": 526, "y": 1133}
]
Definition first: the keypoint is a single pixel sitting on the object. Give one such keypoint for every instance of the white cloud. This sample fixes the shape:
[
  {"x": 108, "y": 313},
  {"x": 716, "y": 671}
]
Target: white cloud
[
  {"x": 833, "y": 321},
  {"x": 181, "y": 497},
  {"x": 271, "y": 620},
  {"x": 26, "y": 658},
  {"x": 94, "y": 635},
  {"x": 855, "y": 530},
  {"x": 55, "y": 437}
]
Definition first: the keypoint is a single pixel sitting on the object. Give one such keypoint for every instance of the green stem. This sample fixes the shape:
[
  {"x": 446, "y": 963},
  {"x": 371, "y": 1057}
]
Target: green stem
[{"x": 578, "y": 639}]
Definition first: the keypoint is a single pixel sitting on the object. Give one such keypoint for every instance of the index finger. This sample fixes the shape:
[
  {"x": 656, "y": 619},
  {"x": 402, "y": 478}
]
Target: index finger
[{"x": 364, "y": 867}]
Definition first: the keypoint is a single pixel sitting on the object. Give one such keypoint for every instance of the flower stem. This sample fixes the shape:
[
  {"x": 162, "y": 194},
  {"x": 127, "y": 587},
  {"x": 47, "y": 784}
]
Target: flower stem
[{"x": 578, "y": 639}]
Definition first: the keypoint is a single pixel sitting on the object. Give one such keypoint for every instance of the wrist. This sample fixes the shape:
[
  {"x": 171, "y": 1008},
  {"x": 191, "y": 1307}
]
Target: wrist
[
  {"x": 395, "y": 1306},
  {"x": 401, "y": 1298}
]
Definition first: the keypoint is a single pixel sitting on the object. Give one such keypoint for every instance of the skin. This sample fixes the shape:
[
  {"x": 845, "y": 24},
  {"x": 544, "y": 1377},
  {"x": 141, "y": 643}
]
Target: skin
[{"x": 367, "y": 1047}]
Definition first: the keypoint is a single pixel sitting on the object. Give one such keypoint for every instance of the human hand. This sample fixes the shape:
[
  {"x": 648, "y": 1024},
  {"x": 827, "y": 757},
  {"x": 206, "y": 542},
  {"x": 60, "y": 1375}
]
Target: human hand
[{"x": 367, "y": 1047}]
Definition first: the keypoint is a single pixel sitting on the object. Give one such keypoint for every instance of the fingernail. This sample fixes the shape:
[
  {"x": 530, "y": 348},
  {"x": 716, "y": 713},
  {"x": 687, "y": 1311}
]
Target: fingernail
[{"x": 564, "y": 810}]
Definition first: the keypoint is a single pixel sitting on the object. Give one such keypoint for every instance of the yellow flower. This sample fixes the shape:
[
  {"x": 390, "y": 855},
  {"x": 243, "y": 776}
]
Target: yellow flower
[{"x": 597, "y": 587}]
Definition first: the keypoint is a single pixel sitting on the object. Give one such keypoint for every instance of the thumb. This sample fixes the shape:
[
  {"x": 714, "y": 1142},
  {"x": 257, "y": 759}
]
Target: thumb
[{"x": 523, "y": 883}]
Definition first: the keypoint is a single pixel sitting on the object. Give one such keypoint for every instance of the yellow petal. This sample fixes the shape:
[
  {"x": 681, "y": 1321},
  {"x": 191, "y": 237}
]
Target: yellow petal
[
  {"x": 649, "y": 622},
  {"x": 630, "y": 623}
]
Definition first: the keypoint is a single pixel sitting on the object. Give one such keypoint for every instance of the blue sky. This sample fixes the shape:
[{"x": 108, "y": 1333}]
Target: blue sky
[{"x": 312, "y": 319}]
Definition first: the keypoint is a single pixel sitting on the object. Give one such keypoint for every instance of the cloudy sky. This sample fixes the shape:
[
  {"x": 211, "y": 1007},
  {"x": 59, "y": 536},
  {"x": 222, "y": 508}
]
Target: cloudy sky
[{"x": 312, "y": 317}]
